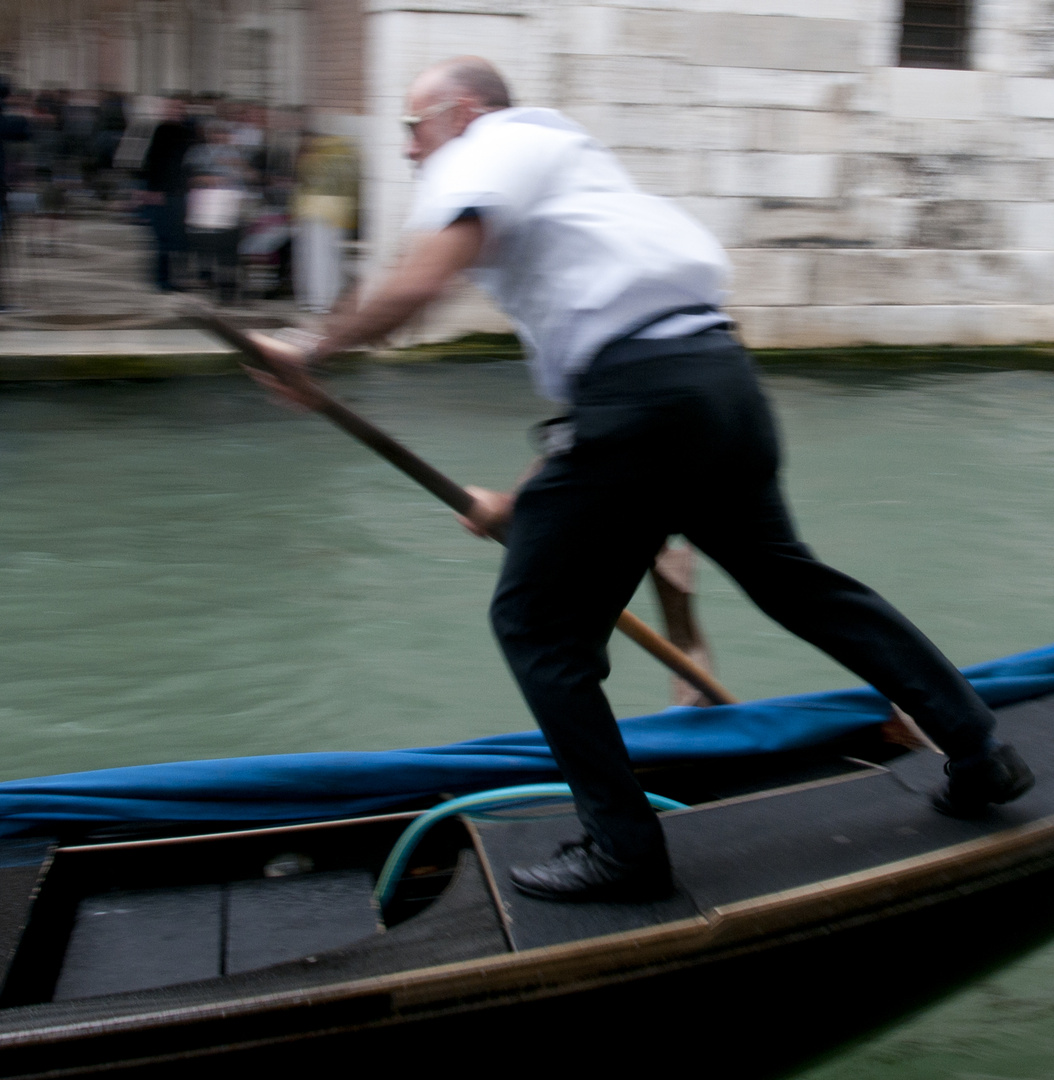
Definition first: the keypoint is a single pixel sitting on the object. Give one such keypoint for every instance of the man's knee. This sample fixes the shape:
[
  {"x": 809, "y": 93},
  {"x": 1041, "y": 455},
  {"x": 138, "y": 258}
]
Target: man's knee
[
  {"x": 505, "y": 618},
  {"x": 549, "y": 649}
]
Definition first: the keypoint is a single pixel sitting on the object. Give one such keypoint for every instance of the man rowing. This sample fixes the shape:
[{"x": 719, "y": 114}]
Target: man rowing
[{"x": 617, "y": 298}]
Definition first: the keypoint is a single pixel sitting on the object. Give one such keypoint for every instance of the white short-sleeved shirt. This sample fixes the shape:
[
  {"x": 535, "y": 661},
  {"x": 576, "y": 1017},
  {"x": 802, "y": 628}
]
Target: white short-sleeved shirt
[{"x": 574, "y": 253}]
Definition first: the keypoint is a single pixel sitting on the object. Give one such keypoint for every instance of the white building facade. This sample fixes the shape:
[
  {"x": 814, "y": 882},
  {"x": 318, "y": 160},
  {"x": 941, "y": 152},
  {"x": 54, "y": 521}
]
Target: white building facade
[
  {"x": 864, "y": 199},
  {"x": 862, "y": 202}
]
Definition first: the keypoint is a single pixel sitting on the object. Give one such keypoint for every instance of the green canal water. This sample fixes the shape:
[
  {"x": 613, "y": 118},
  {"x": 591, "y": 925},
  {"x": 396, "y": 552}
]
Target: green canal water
[{"x": 187, "y": 571}]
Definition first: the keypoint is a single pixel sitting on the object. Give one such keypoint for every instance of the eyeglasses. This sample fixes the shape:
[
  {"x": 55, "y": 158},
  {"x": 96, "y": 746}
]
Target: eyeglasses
[{"x": 411, "y": 122}]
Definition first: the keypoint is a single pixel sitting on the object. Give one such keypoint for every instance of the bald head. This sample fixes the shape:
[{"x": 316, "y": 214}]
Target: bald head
[
  {"x": 445, "y": 98},
  {"x": 467, "y": 77}
]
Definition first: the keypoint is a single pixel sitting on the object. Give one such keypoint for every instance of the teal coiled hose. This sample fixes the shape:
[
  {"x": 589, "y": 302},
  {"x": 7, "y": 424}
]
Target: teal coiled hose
[{"x": 480, "y": 800}]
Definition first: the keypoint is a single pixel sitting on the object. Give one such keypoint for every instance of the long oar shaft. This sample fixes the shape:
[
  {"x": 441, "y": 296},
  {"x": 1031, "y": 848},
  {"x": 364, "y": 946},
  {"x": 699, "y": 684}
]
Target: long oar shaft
[{"x": 457, "y": 498}]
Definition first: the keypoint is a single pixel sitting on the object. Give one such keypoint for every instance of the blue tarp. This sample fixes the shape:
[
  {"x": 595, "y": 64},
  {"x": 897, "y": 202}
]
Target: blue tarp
[{"x": 298, "y": 787}]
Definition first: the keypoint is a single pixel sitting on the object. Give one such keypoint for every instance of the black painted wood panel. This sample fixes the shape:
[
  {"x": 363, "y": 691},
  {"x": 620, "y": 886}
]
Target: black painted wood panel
[
  {"x": 23, "y": 863},
  {"x": 273, "y": 920},
  {"x": 137, "y": 940}
]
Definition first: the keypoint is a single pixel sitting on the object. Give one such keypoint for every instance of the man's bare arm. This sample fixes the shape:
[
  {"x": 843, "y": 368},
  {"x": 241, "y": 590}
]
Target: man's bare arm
[{"x": 417, "y": 279}]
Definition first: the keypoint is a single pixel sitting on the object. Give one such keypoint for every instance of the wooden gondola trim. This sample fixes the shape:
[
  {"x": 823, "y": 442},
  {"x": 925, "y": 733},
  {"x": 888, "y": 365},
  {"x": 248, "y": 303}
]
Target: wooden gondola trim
[
  {"x": 552, "y": 970},
  {"x": 235, "y": 834},
  {"x": 492, "y": 885},
  {"x": 789, "y": 789}
]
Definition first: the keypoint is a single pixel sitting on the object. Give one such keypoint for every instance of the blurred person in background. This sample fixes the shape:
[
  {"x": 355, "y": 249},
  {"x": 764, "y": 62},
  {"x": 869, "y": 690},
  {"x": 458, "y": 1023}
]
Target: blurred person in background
[
  {"x": 267, "y": 243},
  {"x": 216, "y": 193},
  {"x": 165, "y": 192},
  {"x": 617, "y": 297},
  {"x": 324, "y": 211},
  {"x": 109, "y": 129},
  {"x": 79, "y": 116},
  {"x": 249, "y": 136},
  {"x": 13, "y": 128}
]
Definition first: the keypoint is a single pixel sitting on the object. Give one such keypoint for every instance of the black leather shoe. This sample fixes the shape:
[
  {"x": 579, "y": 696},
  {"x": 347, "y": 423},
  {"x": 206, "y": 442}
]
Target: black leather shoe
[
  {"x": 580, "y": 872},
  {"x": 973, "y": 783}
]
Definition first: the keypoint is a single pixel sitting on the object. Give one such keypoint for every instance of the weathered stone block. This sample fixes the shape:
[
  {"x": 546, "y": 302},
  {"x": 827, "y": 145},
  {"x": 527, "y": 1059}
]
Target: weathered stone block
[
  {"x": 590, "y": 29},
  {"x": 887, "y": 222},
  {"x": 790, "y": 176},
  {"x": 402, "y": 43},
  {"x": 1015, "y": 40},
  {"x": 846, "y": 327},
  {"x": 651, "y": 127},
  {"x": 770, "y": 276},
  {"x": 1030, "y": 97},
  {"x": 653, "y": 5},
  {"x": 599, "y": 120},
  {"x": 443, "y": 7},
  {"x": 960, "y": 224},
  {"x": 859, "y": 277},
  {"x": 942, "y": 95},
  {"x": 930, "y": 277},
  {"x": 664, "y": 172},
  {"x": 1035, "y": 38},
  {"x": 811, "y": 9},
  {"x": 654, "y": 33},
  {"x": 832, "y": 223},
  {"x": 794, "y": 131},
  {"x": 944, "y": 177},
  {"x": 627, "y": 80},
  {"x": 988, "y": 137},
  {"x": 1033, "y": 138},
  {"x": 775, "y": 42},
  {"x": 800, "y": 223},
  {"x": 755, "y": 88},
  {"x": 993, "y": 49},
  {"x": 702, "y": 128},
  {"x": 860, "y": 10},
  {"x": 660, "y": 127},
  {"x": 723, "y": 217},
  {"x": 1036, "y": 276},
  {"x": 1030, "y": 226},
  {"x": 943, "y": 277},
  {"x": 881, "y": 42}
]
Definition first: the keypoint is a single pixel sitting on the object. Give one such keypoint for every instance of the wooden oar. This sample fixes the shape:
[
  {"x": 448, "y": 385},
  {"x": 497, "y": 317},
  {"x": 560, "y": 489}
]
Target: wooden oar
[{"x": 448, "y": 492}]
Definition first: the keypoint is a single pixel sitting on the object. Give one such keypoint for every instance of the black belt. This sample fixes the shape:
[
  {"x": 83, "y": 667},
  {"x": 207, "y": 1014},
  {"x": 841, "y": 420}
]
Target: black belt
[
  {"x": 556, "y": 436},
  {"x": 615, "y": 352}
]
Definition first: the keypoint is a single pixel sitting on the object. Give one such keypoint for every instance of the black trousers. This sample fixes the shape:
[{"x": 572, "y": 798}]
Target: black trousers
[{"x": 676, "y": 437}]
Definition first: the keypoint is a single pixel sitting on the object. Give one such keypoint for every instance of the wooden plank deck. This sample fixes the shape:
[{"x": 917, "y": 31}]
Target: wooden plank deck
[{"x": 140, "y": 939}]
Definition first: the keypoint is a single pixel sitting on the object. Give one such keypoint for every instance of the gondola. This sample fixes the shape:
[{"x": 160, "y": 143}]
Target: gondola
[{"x": 810, "y": 877}]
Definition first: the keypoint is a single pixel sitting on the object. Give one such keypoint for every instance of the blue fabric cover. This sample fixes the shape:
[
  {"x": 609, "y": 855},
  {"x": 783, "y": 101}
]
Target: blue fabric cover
[{"x": 291, "y": 787}]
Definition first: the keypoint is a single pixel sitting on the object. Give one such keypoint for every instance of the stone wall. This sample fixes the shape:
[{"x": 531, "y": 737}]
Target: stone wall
[{"x": 862, "y": 203}]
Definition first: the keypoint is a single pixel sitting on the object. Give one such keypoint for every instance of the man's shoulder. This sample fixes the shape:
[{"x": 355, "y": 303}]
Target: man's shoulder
[
  {"x": 509, "y": 149},
  {"x": 523, "y": 127}
]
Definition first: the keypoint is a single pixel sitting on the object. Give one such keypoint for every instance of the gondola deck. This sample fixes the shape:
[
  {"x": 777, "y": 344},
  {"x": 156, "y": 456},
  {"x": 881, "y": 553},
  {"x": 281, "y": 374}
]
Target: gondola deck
[
  {"x": 772, "y": 842},
  {"x": 753, "y": 872}
]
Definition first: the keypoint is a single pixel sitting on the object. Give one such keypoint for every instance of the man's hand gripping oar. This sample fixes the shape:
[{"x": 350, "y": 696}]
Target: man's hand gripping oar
[{"x": 284, "y": 373}]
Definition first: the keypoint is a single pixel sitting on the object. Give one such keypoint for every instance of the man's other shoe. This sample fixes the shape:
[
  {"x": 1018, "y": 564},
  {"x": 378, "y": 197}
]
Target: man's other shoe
[
  {"x": 581, "y": 872},
  {"x": 998, "y": 776}
]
